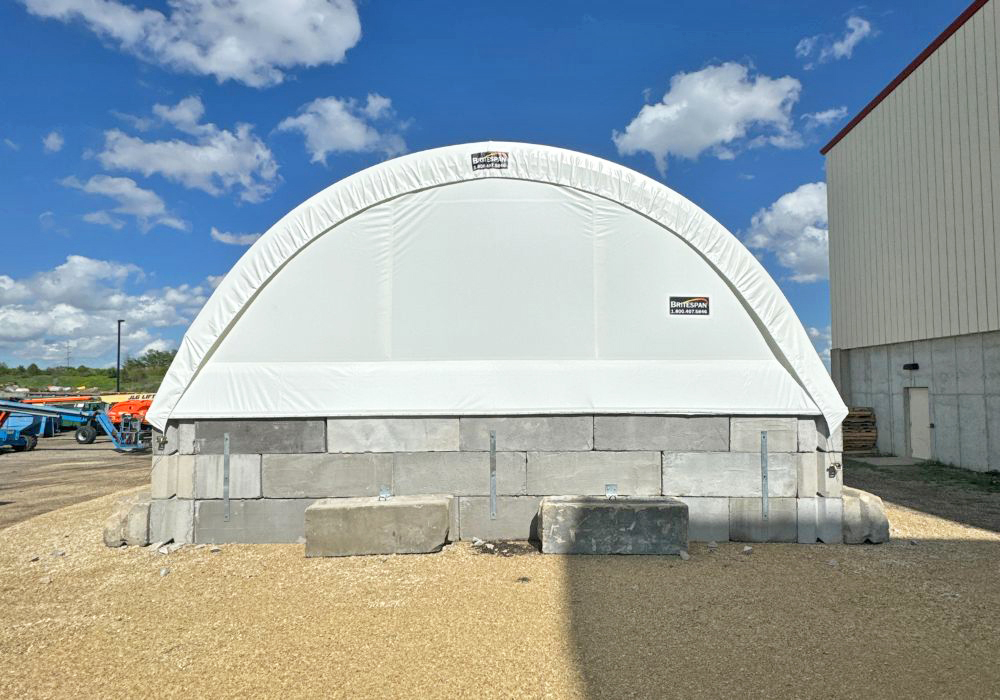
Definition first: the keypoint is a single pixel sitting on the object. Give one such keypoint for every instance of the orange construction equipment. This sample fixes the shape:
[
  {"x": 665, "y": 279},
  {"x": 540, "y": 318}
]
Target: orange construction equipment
[{"x": 136, "y": 408}]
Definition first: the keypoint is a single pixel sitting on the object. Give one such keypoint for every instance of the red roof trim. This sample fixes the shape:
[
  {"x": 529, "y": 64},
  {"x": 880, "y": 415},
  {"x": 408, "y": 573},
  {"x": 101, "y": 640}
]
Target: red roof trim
[{"x": 924, "y": 55}]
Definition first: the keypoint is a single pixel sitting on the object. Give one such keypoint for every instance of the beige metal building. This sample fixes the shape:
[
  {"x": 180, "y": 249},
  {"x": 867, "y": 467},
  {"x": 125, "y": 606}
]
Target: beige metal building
[{"x": 914, "y": 193}]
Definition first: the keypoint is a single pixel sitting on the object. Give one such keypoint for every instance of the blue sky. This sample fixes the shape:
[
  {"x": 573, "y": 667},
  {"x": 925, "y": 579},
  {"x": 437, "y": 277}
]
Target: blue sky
[{"x": 129, "y": 131}]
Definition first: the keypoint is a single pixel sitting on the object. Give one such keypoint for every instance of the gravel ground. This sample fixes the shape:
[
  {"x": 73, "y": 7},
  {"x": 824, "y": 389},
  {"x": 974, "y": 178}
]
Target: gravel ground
[
  {"x": 60, "y": 472},
  {"x": 896, "y": 620}
]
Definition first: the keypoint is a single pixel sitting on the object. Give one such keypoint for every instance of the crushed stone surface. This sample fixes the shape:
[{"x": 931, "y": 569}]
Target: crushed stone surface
[{"x": 895, "y": 620}]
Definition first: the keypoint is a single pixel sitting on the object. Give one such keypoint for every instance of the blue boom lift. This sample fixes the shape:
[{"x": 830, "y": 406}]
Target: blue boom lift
[{"x": 128, "y": 437}]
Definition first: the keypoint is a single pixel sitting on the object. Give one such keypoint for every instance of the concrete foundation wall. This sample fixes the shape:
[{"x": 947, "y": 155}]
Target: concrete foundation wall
[
  {"x": 280, "y": 467},
  {"x": 962, "y": 376}
]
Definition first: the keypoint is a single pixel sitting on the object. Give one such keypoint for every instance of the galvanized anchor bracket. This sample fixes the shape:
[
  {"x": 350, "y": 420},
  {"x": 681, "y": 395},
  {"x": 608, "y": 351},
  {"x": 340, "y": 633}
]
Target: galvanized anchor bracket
[
  {"x": 493, "y": 475},
  {"x": 611, "y": 492},
  {"x": 763, "y": 474},
  {"x": 225, "y": 476}
]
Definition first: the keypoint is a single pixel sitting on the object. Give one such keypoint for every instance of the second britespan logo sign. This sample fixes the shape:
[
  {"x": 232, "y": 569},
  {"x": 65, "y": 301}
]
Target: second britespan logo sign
[{"x": 689, "y": 306}]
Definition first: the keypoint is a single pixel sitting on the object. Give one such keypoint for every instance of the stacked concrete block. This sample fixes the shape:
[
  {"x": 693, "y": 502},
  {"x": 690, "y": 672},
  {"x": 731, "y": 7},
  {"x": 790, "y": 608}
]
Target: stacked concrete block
[
  {"x": 662, "y": 433},
  {"x": 528, "y": 433},
  {"x": 782, "y": 434},
  {"x": 588, "y": 473},
  {"x": 278, "y": 468},
  {"x": 728, "y": 474},
  {"x": 392, "y": 434},
  {"x": 458, "y": 473},
  {"x": 748, "y": 524},
  {"x": 326, "y": 475},
  {"x": 129, "y": 522},
  {"x": 820, "y": 520},
  {"x": 594, "y": 525}
]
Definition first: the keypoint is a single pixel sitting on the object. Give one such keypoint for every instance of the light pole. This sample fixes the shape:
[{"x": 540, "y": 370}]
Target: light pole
[{"x": 118, "y": 358}]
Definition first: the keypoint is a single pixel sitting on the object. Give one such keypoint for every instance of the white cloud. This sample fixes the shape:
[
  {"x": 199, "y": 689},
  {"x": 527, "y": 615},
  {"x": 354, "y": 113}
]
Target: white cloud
[
  {"x": 825, "y": 118},
  {"x": 249, "y": 41},
  {"x": 215, "y": 160},
  {"x": 822, "y": 340},
  {"x": 77, "y": 304},
  {"x": 334, "y": 125},
  {"x": 11, "y": 145},
  {"x": 53, "y": 142},
  {"x": 721, "y": 109},
  {"x": 144, "y": 205},
  {"x": 234, "y": 238},
  {"x": 823, "y": 48},
  {"x": 794, "y": 229}
]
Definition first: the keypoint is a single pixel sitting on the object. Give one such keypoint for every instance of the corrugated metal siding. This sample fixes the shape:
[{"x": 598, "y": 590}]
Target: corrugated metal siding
[{"x": 914, "y": 197}]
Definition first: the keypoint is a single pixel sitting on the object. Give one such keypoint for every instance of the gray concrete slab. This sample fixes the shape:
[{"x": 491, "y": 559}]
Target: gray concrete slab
[
  {"x": 185, "y": 437},
  {"x": 708, "y": 518},
  {"x": 820, "y": 520},
  {"x": 262, "y": 521},
  {"x": 728, "y": 474},
  {"x": 747, "y": 523},
  {"x": 526, "y": 433},
  {"x": 337, "y": 527},
  {"x": 943, "y": 359},
  {"x": 807, "y": 471},
  {"x": 881, "y": 404},
  {"x": 458, "y": 473},
  {"x": 993, "y": 426},
  {"x": 171, "y": 520},
  {"x": 325, "y": 475},
  {"x": 969, "y": 363},
  {"x": 829, "y": 474},
  {"x": 899, "y": 354},
  {"x": 163, "y": 477},
  {"x": 782, "y": 434},
  {"x": 923, "y": 355},
  {"x": 662, "y": 433},
  {"x": 597, "y": 525},
  {"x": 973, "y": 445},
  {"x": 991, "y": 362},
  {"x": 587, "y": 473},
  {"x": 945, "y": 435},
  {"x": 260, "y": 436},
  {"x": 392, "y": 434},
  {"x": 517, "y": 518},
  {"x": 878, "y": 359}
]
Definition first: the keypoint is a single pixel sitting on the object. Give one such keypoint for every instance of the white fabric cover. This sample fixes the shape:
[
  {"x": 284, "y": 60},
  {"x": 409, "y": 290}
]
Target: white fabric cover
[{"x": 538, "y": 288}]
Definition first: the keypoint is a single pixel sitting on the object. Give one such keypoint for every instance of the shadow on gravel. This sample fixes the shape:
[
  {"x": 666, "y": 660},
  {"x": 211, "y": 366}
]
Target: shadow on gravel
[{"x": 970, "y": 498}]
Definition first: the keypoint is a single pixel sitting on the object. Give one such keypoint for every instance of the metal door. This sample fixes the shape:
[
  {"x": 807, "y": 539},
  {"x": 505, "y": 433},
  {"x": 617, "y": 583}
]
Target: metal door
[{"x": 919, "y": 422}]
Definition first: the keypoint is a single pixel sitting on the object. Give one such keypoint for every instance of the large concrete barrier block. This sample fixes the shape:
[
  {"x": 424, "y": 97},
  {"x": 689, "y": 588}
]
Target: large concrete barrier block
[
  {"x": 806, "y": 464},
  {"x": 864, "y": 517},
  {"x": 820, "y": 520},
  {"x": 339, "y": 527},
  {"x": 201, "y": 476},
  {"x": 528, "y": 433},
  {"x": 782, "y": 434},
  {"x": 747, "y": 522},
  {"x": 262, "y": 520},
  {"x": 171, "y": 520},
  {"x": 662, "y": 433},
  {"x": 163, "y": 476},
  {"x": 808, "y": 436},
  {"x": 597, "y": 525},
  {"x": 278, "y": 436},
  {"x": 727, "y": 474},
  {"x": 458, "y": 473},
  {"x": 587, "y": 473},
  {"x": 128, "y": 523},
  {"x": 829, "y": 474},
  {"x": 392, "y": 434},
  {"x": 517, "y": 518},
  {"x": 708, "y": 518},
  {"x": 325, "y": 475},
  {"x": 827, "y": 441}
]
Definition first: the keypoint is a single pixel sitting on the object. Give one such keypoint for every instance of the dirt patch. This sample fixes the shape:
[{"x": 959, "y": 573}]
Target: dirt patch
[
  {"x": 60, "y": 472},
  {"x": 262, "y": 620}
]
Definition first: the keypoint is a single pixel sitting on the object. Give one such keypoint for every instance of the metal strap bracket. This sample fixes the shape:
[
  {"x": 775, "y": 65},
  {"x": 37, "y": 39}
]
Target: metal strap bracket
[
  {"x": 493, "y": 475},
  {"x": 225, "y": 476},
  {"x": 763, "y": 474}
]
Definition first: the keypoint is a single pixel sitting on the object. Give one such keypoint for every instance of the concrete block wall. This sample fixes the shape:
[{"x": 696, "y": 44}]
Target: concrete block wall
[
  {"x": 962, "y": 375},
  {"x": 279, "y": 467}
]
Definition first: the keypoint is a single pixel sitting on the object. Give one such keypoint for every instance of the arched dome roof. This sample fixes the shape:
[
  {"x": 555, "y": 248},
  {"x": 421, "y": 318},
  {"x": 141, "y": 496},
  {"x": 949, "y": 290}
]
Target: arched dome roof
[{"x": 495, "y": 278}]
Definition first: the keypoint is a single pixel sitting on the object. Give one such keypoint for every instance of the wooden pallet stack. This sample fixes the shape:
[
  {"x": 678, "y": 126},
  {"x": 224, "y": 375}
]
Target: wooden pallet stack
[{"x": 860, "y": 431}]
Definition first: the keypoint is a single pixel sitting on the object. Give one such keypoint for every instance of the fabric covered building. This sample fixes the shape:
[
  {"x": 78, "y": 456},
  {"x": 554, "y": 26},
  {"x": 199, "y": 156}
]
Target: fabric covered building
[{"x": 608, "y": 330}]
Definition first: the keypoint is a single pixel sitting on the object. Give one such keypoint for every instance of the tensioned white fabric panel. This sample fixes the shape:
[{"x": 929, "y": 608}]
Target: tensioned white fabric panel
[{"x": 493, "y": 291}]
